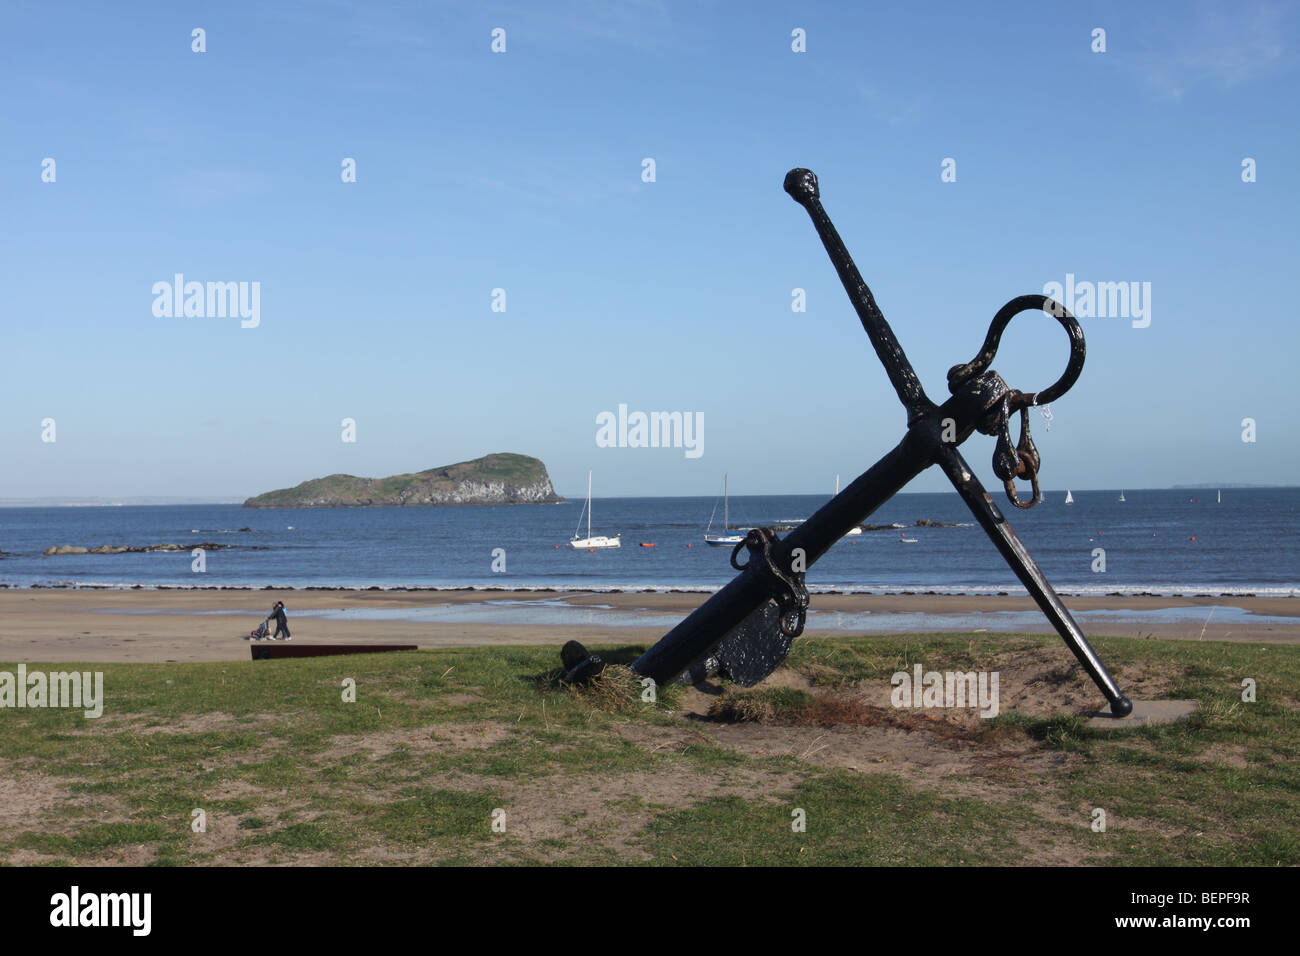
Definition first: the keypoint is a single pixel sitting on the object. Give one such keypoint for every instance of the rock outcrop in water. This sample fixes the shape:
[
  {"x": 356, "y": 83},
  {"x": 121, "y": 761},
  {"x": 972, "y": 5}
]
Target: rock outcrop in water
[
  {"x": 127, "y": 549},
  {"x": 499, "y": 479}
]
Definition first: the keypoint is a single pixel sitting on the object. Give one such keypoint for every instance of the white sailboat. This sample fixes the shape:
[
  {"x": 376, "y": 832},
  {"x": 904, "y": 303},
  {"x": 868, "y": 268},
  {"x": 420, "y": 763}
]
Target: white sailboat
[
  {"x": 1069, "y": 498},
  {"x": 1121, "y": 496},
  {"x": 1220, "y": 501},
  {"x": 856, "y": 529},
  {"x": 599, "y": 541},
  {"x": 718, "y": 540}
]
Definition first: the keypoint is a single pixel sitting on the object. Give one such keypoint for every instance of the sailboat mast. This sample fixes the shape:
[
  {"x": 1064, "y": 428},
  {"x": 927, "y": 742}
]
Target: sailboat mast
[
  {"x": 726, "y": 516},
  {"x": 588, "y": 504}
]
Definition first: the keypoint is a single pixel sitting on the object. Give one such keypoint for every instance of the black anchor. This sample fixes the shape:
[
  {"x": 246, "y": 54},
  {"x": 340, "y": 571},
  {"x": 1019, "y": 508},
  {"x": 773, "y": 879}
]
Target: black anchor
[{"x": 745, "y": 629}]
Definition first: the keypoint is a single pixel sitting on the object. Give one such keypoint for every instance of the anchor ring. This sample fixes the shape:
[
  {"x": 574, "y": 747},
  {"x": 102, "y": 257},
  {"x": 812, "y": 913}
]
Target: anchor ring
[{"x": 959, "y": 374}]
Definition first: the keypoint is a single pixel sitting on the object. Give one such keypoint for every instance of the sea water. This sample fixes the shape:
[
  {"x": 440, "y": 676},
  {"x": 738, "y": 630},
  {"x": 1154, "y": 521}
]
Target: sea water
[{"x": 1160, "y": 542}]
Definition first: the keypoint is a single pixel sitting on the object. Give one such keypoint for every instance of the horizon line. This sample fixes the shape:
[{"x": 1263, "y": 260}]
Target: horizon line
[{"x": 160, "y": 501}]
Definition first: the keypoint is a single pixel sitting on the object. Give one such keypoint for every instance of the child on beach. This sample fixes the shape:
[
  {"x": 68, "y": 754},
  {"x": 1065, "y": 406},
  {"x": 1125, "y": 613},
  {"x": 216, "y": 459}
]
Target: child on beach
[{"x": 281, "y": 622}]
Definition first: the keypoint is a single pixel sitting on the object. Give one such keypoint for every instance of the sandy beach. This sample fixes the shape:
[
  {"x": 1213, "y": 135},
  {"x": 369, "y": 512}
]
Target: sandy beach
[{"x": 160, "y": 626}]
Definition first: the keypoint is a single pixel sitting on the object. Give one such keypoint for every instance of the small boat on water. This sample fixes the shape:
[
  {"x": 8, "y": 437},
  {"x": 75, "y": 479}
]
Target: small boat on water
[
  {"x": 590, "y": 542},
  {"x": 1121, "y": 496},
  {"x": 1069, "y": 498},
  {"x": 902, "y": 537},
  {"x": 718, "y": 540}
]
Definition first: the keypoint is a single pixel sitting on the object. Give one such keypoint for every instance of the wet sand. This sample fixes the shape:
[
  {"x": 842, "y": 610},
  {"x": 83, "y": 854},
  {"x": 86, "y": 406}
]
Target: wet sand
[{"x": 158, "y": 626}]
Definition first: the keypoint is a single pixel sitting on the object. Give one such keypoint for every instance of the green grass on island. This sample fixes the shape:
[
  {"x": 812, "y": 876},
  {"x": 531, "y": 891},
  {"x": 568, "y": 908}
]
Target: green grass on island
[
  {"x": 439, "y": 745},
  {"x": 507, "y": 469}
]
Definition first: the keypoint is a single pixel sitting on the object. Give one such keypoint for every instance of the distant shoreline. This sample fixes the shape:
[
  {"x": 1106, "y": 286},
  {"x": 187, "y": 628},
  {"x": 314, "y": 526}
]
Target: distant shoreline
[
  {"x": 140, "y": 502},
  {"x": 1184, "y": 592},
  {"x": 161, "y": 501}
]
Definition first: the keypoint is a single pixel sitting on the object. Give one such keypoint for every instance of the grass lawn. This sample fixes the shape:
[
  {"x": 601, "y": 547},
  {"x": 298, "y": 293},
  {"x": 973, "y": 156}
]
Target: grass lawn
[{"x": 439, "y": 744}]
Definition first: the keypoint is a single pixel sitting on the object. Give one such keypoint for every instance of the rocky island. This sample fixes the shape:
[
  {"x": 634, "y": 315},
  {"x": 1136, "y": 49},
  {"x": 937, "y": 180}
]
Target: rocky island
[{"x": 498, "y": 479}]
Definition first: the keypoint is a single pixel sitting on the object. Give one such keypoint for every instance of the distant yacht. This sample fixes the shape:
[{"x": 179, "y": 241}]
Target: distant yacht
[
  {"x": 1069, "y": 498},
  {"x": 1121, "y": 496},
  {"x": 718, "y": 540},
  {"x": 856, "y": 529},
  {"x": 1220, "y": 501},
  {"x": 599, "y": 541}
]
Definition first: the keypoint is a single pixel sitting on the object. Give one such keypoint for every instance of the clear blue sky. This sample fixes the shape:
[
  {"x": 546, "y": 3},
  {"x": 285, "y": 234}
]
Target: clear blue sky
[{"x": 522, "y": 171}]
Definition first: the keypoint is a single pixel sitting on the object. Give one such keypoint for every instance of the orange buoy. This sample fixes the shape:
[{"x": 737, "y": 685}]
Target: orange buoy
[{"x": 647, "y": 544}]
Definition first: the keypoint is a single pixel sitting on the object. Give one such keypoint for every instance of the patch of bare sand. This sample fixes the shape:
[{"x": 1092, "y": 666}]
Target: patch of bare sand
[
  {"x": 582, "y": 810},
  {"x": 1236, "y": 756},
  {"x": 27, "y": 858},
  {"x": 859, "y": 729},
  {"x": 269, "y": 855},
  {"x": 233, "y": 790},
  {"x": 33, "y": 801},
  {"x": 201, "y": 723},
  {"x": 949, "y": 751},
  {"x": 136, "y": 854},
  {"x": 1232, "y": 755},
  {"x": 471, "y": 736},
  {"x": 1044, "y": 681},
  {"x": 223, "y": 838},
  {"x": 459, "y": 700},
  {"x": 930, "y": 763},
  {"x": 26, "y": 795}
]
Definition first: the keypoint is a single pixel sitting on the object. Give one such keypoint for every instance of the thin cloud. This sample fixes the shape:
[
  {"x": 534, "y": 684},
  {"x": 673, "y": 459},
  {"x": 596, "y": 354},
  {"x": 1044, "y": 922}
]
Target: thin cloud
[
  {"x": 197, "y": 188},
  {"x": 1225, "y": 46}
]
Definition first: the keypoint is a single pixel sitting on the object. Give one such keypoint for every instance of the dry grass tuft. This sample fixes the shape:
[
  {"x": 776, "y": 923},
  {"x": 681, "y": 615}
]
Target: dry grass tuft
[
  {"x": 615, "y": 690},
  {"x": 828, "y": 711},
  {"x": 742, "y": 708},
  {"x": 796, "y": 708}
]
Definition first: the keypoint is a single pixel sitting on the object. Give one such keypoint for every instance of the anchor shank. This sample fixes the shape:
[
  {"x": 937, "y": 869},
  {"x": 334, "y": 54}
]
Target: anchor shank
[{"x": 864, "y": 495}]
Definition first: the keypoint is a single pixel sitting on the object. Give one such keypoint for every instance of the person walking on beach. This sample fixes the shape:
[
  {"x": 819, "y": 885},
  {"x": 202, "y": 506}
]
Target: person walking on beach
[{"x": 281, "y": 622}]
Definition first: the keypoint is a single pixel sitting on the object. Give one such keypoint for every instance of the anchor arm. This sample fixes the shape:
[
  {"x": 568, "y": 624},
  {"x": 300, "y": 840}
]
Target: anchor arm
[{"x": 981, "y": 505}]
